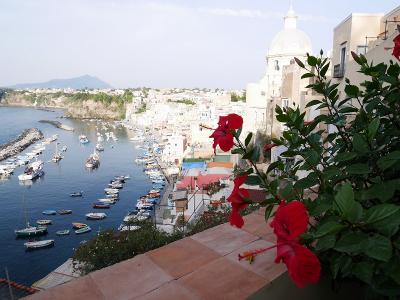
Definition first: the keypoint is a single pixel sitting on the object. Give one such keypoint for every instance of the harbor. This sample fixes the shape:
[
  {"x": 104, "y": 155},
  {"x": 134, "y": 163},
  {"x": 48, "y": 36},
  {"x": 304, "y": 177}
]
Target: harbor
[{"x": 27, "y": 200}]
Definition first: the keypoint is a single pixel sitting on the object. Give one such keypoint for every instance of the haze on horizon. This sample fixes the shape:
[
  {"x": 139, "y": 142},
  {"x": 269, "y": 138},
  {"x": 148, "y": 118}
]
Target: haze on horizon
[{"x": 156, "y": 43}]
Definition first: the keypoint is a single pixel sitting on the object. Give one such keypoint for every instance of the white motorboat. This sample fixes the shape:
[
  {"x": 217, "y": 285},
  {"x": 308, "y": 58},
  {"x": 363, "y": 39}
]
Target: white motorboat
[
  {"x": 32, "y": 171},
  {"x": 93, "y": 161},
  {"x": 111, "y": 191},
  {"x": 99, "y": 147},
  {"x": 39, "y": 244},
  {"x": 96, "y": 216},
  {"x": 83, "y": 139}
]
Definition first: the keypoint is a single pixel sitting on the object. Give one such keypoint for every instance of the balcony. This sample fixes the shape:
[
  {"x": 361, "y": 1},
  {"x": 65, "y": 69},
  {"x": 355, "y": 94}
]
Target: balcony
[{"x": 338, "y": 71}]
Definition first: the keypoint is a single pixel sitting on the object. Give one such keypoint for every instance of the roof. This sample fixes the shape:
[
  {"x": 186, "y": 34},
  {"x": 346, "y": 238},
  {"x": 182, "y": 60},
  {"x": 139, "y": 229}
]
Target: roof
[
  {"x": 193, "y": 165},
  {"x": 18, "y": 290},
  {"x": 222, "y": 157},
  {"x": 222, "y": 164},
  {"x": 201, "y": 180},
  {"x": 179, "y": 195}
]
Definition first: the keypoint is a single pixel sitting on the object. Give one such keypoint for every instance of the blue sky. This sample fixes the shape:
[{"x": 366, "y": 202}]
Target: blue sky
[{"x": 165, "y": 43}]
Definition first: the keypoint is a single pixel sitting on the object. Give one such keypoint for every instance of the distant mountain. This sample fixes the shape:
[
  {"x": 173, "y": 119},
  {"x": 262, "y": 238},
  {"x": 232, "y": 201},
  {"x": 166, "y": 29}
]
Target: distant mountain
[{"x": 85, "y": 81}]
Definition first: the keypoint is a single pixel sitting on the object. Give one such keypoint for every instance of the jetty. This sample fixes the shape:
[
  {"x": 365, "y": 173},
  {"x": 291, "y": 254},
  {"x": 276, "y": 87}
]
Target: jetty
[
  {"x": 58, "y": 125},
  {"x": 19, "y": 144}
]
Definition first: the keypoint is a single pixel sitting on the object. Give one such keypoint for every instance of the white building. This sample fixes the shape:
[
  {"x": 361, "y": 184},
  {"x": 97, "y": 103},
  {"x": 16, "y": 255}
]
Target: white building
[{"x": 290, "y": 42}]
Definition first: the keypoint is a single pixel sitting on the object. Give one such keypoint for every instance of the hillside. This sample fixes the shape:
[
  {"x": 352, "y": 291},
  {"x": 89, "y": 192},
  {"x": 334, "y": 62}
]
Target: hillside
[{"x": 85, "y": 81}]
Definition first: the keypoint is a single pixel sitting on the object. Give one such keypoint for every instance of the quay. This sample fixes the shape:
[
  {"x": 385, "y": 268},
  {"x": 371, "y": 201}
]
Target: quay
[
  {"x": 19, "y": 144},
  {"x": 58, "y": 125}
]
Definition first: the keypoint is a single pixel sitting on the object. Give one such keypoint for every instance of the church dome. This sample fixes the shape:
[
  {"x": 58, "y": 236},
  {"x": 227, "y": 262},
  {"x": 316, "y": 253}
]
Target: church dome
[{"x": 290, "y": 40}]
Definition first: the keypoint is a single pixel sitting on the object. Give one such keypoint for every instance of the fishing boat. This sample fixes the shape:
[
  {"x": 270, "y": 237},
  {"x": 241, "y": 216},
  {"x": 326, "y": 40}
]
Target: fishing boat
[
  {"x": 115, "y": 185},
  {"x": 49, "y": 212},
  {"x": 31, "y": 231},
  {"x": 112, "y": 196},
  {"x": 57, "y": 155},
  {"x": 39, "y": 244},
  {"x": 64, "y": 212},
  {"x": 53, "y": 138},
  {"x": 83, "y": 139},
  {"x": 95, "y": 216},
  {"x": 99, "y": 147},
  {"x": 107, "y": 201},
  {"x": 32, "y": 171},
  {"x": 78, "y": 225},
  {"x": 44, "y": 222},
  {"x": 101, "y": 205},
  {"x": 111, "y": 191},
  {"x": 76, "y": 194},
  {"x": 93, "y": 161},
  {"x": 62, "y": 232},
  {"x": 64, "y": 149},
  {"x": 83, "y": 230}
]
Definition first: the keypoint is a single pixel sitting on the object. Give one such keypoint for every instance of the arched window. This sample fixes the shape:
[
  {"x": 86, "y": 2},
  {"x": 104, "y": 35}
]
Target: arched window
[{"x": 276, "y": 67}]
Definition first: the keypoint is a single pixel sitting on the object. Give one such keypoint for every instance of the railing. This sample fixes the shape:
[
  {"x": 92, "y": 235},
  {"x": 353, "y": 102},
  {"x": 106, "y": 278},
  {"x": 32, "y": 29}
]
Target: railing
[{"x": 338, "y": 71}]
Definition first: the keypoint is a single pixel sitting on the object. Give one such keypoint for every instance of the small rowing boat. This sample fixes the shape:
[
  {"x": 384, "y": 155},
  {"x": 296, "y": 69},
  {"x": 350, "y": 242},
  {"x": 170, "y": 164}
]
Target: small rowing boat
[
  {"x": 83, "y": 230},
  {"x": 49, "y": 212},
  {"x": 95, "y": 216},
  {"x": 76, "y": 194},
  {"x": 62, "y": 232},
  {"x": 44, "y": 222},
  {"x": 39, "y": 244},
  {"x": 64, "y": 212},
  {"x": 78, "y": 225}
]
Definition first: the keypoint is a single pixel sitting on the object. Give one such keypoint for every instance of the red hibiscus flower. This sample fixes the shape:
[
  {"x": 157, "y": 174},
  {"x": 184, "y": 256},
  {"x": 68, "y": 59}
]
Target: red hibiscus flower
[
  {"x": 289, "y": 223},
  {"x": 238, "y": 201},
  {"x": 396, "y": 48},
  {"x": 268, "y": 147},
  {"x": 223, "y": 134}
]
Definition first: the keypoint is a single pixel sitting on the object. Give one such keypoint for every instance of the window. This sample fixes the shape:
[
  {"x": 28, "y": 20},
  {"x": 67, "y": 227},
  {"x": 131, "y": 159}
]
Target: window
[
  {"x": 276, "y": 67},
  {"x": 285, "y": 102},
  {"x": 362, "y": 50},
  {"x": 342, "y": 56}
]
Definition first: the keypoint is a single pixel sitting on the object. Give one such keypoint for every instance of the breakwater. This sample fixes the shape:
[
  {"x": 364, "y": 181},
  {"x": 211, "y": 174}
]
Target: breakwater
[
  {"x": 57, "y": 124},
  {"x": 20, "y": 143}
]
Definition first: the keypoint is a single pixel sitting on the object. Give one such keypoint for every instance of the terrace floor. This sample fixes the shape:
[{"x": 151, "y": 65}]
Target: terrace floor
[{"x": 202, "y": 266}]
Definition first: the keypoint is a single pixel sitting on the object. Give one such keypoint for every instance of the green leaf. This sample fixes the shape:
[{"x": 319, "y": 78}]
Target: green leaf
[
  {"x": 388, "y": 160},
  {"x": 345, "y": 156},
  {"x": 248, "y": 139},
  {"x": 388, "y": 226},
  {"x": 299, "y": 62},
  {"x": 237, "y": 151},
  {"x": 352, "y": 90},
  {"x": 324, "y": 70},
  {"x": 348, "y": 109},
  {"x": 312, "y": 61},
  {"x": 352, "y": 242},
  {"x": 253, "y": 180},
  {"x": 358, "y": 169},
  {"x": 307, "y": 75},
  {"x": 325, "y": 243},
  {"x": 339, "y": 262},
  {"x": 363, "y": 271},
  {"x": 256, "y": 154},
  {"x": 313, "y": 102},
  {"x": 306, "y": 182},
  {"x": 359, "y": 144},
  {"x": 379, "y": 248},
  {"x": 273, "y": 166},
  {"x": 349, "y": 208},
  {"x": 373, "y": 128},
  {"x": 330, "y": 227},
  {"x": 380, "y": 212},
  {"x": 268, "y": 211}
]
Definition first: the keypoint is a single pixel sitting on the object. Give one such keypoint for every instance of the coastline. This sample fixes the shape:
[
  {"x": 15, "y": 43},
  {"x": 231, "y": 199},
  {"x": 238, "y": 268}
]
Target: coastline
[{"x": 20, "y": 143}]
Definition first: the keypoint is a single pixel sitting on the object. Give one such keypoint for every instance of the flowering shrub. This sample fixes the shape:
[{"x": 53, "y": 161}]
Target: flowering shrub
[{"x": 345, "y": 213}]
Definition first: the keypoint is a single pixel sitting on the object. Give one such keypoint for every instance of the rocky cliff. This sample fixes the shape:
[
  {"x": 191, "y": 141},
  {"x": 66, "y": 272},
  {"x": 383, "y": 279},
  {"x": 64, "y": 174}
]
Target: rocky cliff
[{"x": 78, "y": 105}]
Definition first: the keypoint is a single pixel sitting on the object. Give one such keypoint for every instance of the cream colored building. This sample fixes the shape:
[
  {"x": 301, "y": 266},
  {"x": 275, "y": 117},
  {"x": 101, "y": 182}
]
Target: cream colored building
[
  {"x": 290, "y": 42},
  {"x": 368, "y": 34}
]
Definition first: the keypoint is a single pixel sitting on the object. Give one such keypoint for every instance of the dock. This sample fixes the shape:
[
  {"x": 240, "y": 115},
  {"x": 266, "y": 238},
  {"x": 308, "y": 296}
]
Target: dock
[{"x": 62, "y": 274}]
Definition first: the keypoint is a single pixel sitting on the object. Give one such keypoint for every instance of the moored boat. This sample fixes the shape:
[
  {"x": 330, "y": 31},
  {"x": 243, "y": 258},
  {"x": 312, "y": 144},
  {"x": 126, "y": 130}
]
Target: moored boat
[
  {"x": 76, "y": 194},
  {"x": 95, "y": 216},
  {"x": 39, "y": 244},
  {"x": 79, "y": 225},
  {"x": 44, "y": 222},
  {"x": 64, "y": 212},
  {"x": 83, "y": 139},
  {"x": 107, "y": 201},
  {"x": 31, "y": 231},
  {"x": 93, "y": 161},
  {"x": 32, "y": 171},
  {"x": 49, "y": 212},
  {"x": 62, "y": 232},
  {"x": 83, "y": 230},
  {"x": 101, "y": 205}
]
